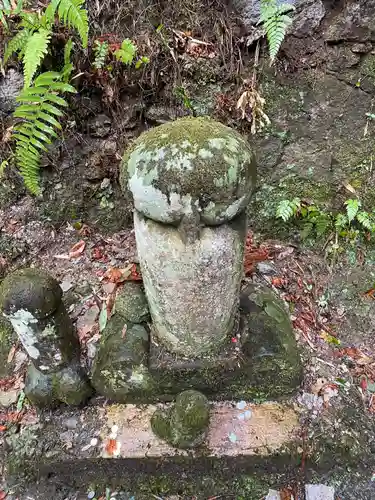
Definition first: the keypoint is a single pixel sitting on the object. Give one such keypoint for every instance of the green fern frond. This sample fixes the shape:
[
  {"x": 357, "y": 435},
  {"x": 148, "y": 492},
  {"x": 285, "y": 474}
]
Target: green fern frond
[
  {"x": 68, "y": 66},
  {"x": 17, "y": 44},
  {"x": 127, "y": 52},
  {"x": 365, "y": 220},
  {"x": 275, "y": 21},
  {"x": 322, "y": 224},
  {"x": 36, "y": 49},
  {"x": 287, "y": 209},
  {"x": 352, "y": 207},
  {"x": 72, "y": 14},
  {"x": 30, "y": 21},
  {"x": 37, "y": 129},
  {"x": 341, "y": 221},
  {"x": 307, "y": 230},
  {"x": 100, "y": 52}
]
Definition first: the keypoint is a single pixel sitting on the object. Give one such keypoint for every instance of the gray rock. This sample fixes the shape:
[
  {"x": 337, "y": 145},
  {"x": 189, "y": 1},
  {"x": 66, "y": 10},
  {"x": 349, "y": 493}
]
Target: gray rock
[
  {"x": 340, "y": 57},
  {"x": 192, "y": 288},
  {"x": 131, "y": 302},
  {"x": 266, "y": 268},
  {"x": 354, "y": 22},
  {"x": 100, "y": 126},
  {"x": 71, "y": 423},
  {"x": 191, "y": 168},
  {"x": 120, "y": 365},
  {"x": 319, "y": 492},
  {"x": 361, "y": 48},
  {"x": 159, "y": 114},
  {"x": 185, "y": 424},
  {"x": 305, "y": 22},
  {"x": 69, "y": 385},
  {"x": 10, "y": 87},
  {"x": 7, "y": 398}
]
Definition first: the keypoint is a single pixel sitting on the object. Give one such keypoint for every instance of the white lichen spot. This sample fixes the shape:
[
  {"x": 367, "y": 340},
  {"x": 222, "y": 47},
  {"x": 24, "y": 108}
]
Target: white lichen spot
[
  {"x": 185, "y": 144},
  {"x": 23, "y": 323},
  {"x": 43, "y": 367},
  {"x": 217, "y": 143},
  {"x": 205, "y": 153},
  {"x": 138, "y": 375}
]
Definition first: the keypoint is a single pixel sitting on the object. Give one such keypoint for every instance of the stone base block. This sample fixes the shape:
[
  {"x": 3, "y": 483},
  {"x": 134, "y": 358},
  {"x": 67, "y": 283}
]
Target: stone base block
[
  {"x": 260, "y": 361},
  {"x": 114, "y": 444}
]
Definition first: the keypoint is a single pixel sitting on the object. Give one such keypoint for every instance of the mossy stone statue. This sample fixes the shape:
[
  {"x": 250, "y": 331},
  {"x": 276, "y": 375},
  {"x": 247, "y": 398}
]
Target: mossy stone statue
[{"x": 185, "y": 424}]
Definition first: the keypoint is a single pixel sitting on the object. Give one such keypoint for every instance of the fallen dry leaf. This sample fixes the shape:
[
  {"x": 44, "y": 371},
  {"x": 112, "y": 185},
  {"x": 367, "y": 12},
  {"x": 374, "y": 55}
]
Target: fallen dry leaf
[
  {"x": 11, "y": 354},
  {"x": 77, "y": 249}
]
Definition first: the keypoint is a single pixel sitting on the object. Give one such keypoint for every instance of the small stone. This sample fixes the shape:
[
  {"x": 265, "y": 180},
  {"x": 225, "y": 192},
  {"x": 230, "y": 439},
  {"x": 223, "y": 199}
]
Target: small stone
[
  {"x": 319, "y": 492},
  {"x": 8, "y": 398},
  {"x": 100, "y": 126},
  {"x": 120, "y": 364},
  {"x": 185, "y": 424},
  {"x": 71, "y": 423},
  {"x": 362, "y": 48},
  {"x": 93, "y": 442},
  {"x": 266, "y": 268},
  {"x": 90, "y": 495},
  {"x": 131, "y": 302},
  {"x": 273, "y": 495},
  {"x": 66, "y": 285},
  {"x": 241, "y": 405}
]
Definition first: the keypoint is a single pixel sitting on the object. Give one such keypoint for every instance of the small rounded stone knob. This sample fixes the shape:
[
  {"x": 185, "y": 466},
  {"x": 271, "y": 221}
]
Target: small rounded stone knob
[
  {"x": 31, "y": 290},
  {"x": 192, "y": 165}
]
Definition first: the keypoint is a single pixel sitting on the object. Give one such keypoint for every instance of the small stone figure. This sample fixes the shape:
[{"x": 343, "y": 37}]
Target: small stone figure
[
  {"x": 31, "y": 301},
  {"x": 185, "y": 424}
]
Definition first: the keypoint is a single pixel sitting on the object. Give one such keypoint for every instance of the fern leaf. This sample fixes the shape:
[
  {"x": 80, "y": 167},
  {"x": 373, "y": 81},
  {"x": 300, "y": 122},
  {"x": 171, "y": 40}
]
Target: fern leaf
[
  {"x": 364, "y": 219},
  {"x": 47, "y": 78},
  {"x": 322, "y": 224},
  {"x": 72, "y": 14},
  {"x": 286, "y": 209},
  {"x": 352, "y": 207},
  {"x": 37, "y": 128},
  {"x": 276, "y": 21},
  {"x": 30, "y": 21},
  {"x": 101, "y": 52},
  {"x": 16, "y": 44},
  {"x": 68, "y": 66},
  {"x": 127, "y": 51},
  {"x": 36, "y": 49},
  {"x": 341, "y": 221},
  {"x": 307, "y": 230}
]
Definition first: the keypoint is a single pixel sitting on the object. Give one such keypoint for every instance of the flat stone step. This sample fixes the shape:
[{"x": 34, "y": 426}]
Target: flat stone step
[{"x": 115, "y": 443}]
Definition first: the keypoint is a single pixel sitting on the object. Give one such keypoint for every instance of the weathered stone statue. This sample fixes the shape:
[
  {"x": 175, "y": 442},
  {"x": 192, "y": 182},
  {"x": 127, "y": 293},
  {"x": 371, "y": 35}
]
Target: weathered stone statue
[
  {"x": 191, "y": 181},
  {"x": 189, "y": 327},
  {"x": 31, "y": 300}
]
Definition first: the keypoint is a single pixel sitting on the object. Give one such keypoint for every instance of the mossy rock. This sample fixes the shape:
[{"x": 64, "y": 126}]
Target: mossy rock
[
  {"x": 69, "y": 385},
  {"x": 131, "y": 302},
  {"x": 7, "y": 338},
  {"x": 187, "y": 166},
  {"x": 186, "y": 423},
  {"x": 32, "y": 290},
  {"x": 120, "y": 367}
]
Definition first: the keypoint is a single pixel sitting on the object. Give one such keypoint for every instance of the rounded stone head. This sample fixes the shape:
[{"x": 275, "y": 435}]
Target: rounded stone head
[
  {"x": 32, "y": 290},
  {"x": 190, "y": 166}
]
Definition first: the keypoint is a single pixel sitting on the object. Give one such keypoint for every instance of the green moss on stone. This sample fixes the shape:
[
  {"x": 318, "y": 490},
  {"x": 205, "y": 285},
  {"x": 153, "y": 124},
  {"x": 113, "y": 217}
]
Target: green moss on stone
[
  {"x": 131, "y": 302},
  {"x": 7, "y": 338},
  {"x": 192, "y": 162},
  {"x": 185, "y": 424},
  {"x": 32, "y": 290},
  {"x": 69, "y": 386},
  {"x": 120, "y": 367}
]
